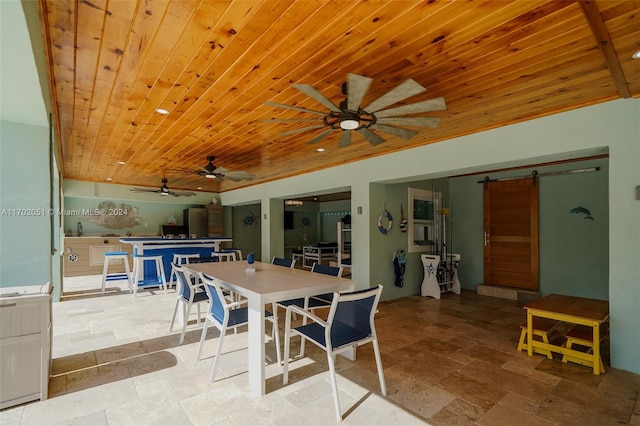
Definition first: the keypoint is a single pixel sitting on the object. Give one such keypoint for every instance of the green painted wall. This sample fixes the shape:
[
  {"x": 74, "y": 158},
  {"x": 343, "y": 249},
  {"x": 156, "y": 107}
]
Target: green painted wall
[
  {"x": 331, "y": 212},
  {"x": 25, "y": 223},
  {"x": 573, "y": 251},
  {"x": 245, "y": 236},
  {"x": 151, "y": 214}
]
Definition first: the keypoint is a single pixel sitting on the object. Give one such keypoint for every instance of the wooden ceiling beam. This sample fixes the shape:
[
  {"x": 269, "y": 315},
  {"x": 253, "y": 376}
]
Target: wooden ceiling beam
[{"x": 603, "y": 39}]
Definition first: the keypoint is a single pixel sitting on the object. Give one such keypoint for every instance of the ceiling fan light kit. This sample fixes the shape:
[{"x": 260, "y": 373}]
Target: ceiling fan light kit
[{"x": 349, "y": 115}]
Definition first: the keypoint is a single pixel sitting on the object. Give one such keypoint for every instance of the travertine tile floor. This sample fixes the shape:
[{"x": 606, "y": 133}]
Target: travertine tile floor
[{"x": 447, "y": 362}]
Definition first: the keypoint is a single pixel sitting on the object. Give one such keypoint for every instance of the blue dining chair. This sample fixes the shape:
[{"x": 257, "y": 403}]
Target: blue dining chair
[
  {"x": 313, "y": 302},
  {"x": 288, "y": 263},
  {"x": 189, "y": 293},
  {"x": 222, "y": 314},
  {"x": 350, "y": 324}
]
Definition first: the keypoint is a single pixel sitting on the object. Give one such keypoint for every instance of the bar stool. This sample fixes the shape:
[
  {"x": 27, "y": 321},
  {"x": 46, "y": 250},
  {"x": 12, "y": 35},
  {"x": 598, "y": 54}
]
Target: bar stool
[
  {"x": 180, "y": 259},
  {"x": 224, "y": 254},
  {"x": 115, "y": 255},
  {"x": 237, "y": 250},
  {"x": 138, "y": 273},
  {"x": 297, "y": 256}
]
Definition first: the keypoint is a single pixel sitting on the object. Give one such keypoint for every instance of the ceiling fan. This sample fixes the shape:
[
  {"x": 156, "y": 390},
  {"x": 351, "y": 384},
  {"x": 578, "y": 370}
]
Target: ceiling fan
[
  {"x": 212, "y": 172},
  {"x": 350, "y": 115},
  {"x": 164, "y": 190}
]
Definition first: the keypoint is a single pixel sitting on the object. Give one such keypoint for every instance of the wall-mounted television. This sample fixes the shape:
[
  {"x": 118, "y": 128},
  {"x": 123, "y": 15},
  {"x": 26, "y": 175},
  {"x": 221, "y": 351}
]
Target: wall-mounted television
[{"x": 288, "y": 220}]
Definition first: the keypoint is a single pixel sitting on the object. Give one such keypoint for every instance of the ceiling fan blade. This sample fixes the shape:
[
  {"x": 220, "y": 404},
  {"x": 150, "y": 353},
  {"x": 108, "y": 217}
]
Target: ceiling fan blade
[
  {"x": 410, "y": 121},
  {"x": 143, "y": 190},
  {"x": 321, "y": 135},
  {"x": 295, "y": 108},
  {"x": 303, "y": 129},
  {"x": 370, "y": 136},
  {"x": 181, "y": 193},
  {"x": 403, "y": 133},
  {"x": 239, "y": 175},
  {"x": 345, "y": 139},
  {"x": 403, "y": 91},
  {"x": 435, "y": 104},
  {"x": 309, "y": 90},
  {"x": 357, "y": 87},
  {"x": 286, "y": 120}
]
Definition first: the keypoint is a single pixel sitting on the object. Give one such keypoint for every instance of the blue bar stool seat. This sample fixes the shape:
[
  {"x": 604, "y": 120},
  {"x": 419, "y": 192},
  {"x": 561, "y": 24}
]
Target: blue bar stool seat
[
  {"x": 115, "y": 256},
  {"x": 138, "y": 273}
]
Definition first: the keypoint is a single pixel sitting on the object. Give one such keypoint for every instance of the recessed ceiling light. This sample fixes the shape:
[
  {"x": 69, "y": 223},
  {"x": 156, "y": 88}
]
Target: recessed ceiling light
[
  {"x": 320, "y": 149},
  {"x": 162, "y": 111},
  {"x": 199, "y": 187},
  {"x": 122, "y": 163},
  {"x": 109, "y": 179},
  {"x": 636, "y": 55}
]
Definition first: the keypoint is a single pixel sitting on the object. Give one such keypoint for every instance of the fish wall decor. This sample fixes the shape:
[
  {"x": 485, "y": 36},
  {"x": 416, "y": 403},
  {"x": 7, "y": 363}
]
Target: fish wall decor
[{"x": 582, "y": 210}]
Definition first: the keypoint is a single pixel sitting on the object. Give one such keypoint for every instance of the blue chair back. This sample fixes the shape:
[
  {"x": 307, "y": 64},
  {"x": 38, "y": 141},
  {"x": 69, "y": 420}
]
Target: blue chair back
[
  {"x": 351, "y": 316},
  {"x": 282, "y": 262},
  {"x": 184, "y": 290},
  {"x": 327, "y": 270},
  {"x": 217, "y": 302}
]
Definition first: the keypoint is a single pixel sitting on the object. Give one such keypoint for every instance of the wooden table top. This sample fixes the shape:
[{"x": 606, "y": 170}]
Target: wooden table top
[
  {"x": 592, "y": 309},
  {"x": 271, "y": 282}
]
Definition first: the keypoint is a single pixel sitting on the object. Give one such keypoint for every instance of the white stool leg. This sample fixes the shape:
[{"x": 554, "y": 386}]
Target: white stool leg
[
  {"x": 160, "y": 270},
  {"x": 127, "y": 271},
  {"x": 105, "y": 268}
]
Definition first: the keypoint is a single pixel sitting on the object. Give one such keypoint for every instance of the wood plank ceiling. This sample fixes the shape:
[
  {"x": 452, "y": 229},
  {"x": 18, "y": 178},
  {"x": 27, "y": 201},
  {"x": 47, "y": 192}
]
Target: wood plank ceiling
[{"x": 214, "y": 64}]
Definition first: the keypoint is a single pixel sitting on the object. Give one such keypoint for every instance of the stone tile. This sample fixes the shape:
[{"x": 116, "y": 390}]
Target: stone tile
[
  {"x": 534, "y": 390},
  {"x": 481, "y": 394},
  {"x": 507, "y": 415},
  {"x": 559, "y": 411},
  {"x": 420, "y": 397},
  {"x": 11, "y": 416},
  {"x": 520, "y": 402},
  {"x": 445, "y": 417},
  {"x": 465, "y": 409},
  {"x": 610, "y": 404}
]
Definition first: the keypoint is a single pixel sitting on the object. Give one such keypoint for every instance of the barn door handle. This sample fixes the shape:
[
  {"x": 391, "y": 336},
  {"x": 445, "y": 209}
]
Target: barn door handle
[{"x": 486, "y": 238}]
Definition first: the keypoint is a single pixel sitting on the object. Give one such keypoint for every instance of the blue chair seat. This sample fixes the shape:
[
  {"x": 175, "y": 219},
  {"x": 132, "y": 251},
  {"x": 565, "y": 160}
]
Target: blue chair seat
[{"x": 341, "y": 334}]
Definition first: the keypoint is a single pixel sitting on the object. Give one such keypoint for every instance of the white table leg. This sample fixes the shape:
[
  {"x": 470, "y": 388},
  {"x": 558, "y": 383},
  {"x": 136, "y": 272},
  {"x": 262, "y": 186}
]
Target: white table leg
[{"x": 256, "y": 346}]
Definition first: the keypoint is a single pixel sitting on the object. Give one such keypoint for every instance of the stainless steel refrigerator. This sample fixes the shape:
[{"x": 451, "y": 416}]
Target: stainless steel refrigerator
[{"x": 195, "y": 221}]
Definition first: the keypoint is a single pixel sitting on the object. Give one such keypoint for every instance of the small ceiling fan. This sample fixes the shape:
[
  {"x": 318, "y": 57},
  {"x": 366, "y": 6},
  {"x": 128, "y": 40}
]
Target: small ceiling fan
[
  {"x": 212, "y": 172},
  {"x": 164, "y": 190},
  {"x": 350, "y": 115}
]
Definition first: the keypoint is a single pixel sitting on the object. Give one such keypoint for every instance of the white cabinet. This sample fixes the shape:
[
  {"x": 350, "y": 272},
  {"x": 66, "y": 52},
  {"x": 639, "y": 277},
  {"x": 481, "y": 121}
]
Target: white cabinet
[{"x": 25, "y": 343}]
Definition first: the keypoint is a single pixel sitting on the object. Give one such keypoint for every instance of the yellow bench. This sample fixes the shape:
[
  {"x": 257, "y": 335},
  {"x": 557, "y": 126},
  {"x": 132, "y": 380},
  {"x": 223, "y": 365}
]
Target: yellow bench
[
  {"x": 542, "y": 327},
  {"x": 583, "y": 335}
]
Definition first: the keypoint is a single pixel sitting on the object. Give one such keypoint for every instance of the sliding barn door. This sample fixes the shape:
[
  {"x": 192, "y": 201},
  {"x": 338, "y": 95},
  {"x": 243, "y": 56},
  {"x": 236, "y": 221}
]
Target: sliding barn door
[{"x": 511, "y": 233}]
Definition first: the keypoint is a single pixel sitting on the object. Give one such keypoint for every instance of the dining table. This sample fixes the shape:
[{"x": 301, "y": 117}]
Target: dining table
[
  {"x": 571, "y": 309},
  {"x": 263, "y": 283}
]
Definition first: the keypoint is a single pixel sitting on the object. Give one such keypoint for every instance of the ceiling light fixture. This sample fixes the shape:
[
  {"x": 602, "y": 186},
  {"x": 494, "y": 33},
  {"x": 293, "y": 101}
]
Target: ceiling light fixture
[
  {"x": 109, "y": 179},
  {"x": 162, "y": 111},
  {"x": 636, "y": 55},
  {"x": 293, "y": 202},
  {"x": 210, "y": 176},
  {"x": 320, "y": 149},
  {"x": 122, "y": 163}
]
